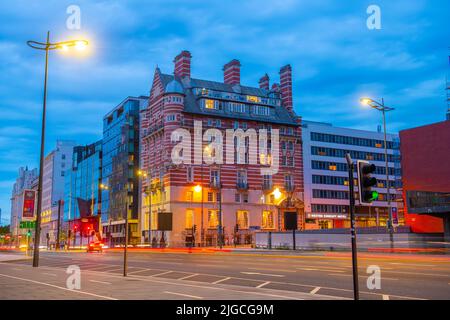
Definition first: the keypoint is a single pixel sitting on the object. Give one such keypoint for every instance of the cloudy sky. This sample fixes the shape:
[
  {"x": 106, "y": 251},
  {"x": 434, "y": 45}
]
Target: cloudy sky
[{"x": 335, "y": 59}]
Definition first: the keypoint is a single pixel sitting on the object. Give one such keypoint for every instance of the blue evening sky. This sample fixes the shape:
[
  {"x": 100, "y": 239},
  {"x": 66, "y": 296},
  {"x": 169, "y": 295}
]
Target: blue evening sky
[{"x": 335, "y": 59}]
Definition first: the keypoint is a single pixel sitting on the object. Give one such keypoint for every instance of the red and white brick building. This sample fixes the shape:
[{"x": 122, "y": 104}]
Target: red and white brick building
[{"x": 198, "y": 193}]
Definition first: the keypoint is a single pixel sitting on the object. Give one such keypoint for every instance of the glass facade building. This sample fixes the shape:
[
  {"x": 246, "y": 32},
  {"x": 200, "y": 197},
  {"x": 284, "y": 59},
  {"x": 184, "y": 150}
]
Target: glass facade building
[
  {"x": 120, "y": 165},
  {"x": 81, "y": 191}
]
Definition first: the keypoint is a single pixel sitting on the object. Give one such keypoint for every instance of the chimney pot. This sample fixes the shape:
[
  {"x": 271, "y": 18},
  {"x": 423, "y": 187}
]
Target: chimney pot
[
  {"x": 232, "y": 72},
  {"x": 286, "y": 87},
  {"x": 183, "y": 64},
  {"x": 264, "y": 82}
]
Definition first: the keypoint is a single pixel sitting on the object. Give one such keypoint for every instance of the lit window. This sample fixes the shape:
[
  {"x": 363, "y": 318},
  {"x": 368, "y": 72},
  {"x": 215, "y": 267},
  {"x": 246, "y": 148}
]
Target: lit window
[
  {"x": 189, "y": 218},
  {"x": 378, "y": 145},
  {"x": 332, "y": 167},
  {"x": 267, "y": 220},
  {"x": 209, "y": 104},
  {"x": 213, "y": 218},
  {"x": 252, "y": 99},
  {"x": 242, "y": 219}
]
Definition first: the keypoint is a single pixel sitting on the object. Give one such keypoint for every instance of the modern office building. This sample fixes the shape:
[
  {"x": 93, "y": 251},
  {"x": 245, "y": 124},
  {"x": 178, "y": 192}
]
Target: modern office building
[
  {"x": 24, "y": 181},
  {"x": 426, "y": 177},
  {"x": 56, "y": 164},
  {"x": 120, "y": 162},
  {"x": 189, "y": 201},
  {"x": 82, "y": 193},
  {"x": 326, "y": 175}
]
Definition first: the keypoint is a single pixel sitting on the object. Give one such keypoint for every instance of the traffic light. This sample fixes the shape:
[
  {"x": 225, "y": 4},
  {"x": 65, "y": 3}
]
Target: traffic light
[{"x": 366, "y": 182}]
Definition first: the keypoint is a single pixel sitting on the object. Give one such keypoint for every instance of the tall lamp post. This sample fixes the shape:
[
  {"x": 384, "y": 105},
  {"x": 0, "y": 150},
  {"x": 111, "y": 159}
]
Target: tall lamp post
[
  {"x": 46, "y": 46},
  {"x": 381, "y": 107},
  {"x": 146, "y": 176}
]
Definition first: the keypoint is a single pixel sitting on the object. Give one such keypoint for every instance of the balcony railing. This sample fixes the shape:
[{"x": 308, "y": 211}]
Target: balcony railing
[
  {"x": 242, "y": 185},
  {"x": 267, "y": 185},
  {"x": 214, "y": 184},
  {"x": 289, "y": 186}
]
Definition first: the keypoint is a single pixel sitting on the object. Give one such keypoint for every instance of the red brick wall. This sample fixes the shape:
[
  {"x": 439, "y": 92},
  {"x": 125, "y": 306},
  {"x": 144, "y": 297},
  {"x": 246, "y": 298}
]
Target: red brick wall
[{"x": 425, "y": 166}]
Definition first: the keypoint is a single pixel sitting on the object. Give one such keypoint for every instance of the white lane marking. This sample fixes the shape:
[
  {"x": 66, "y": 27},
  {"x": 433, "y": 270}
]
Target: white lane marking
[
  {"x": 385, "y": 297},
  {"x": 221, "y": 280},
  {"x": 314, "y": 291},
  {"x": 133, "y": 272},
  {"x": 263, "y": 274},
  {"x": 350, "y": 275},
  {"x": 187, "y": 277},
  {"x": 183, "y": 295},
  {"x": 413, "y": 264},
  {"x": 18, "y": 269},
  {"x": 324, "y": 270},
  {"x": 263, "y": 284},
  {"x": 49, "y": 274},
  {"x": 58, "y": 287},
  {"x": 102, "y": 282},
  {"x": 160, "y": 274},
  {"x": 274, "y": 270}
]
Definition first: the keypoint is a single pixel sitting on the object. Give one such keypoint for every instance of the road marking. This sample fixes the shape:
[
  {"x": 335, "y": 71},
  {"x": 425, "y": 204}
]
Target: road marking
[
  {"x": 412, "y": 264},
  {"x": 102, "y": 282},
  {"x": 225, "y": 279},
  {"x": 183, "y": 295},
  {"x": 160, "y": 274},
  {"x": 49, "y": 274},
  {"x": 324, "y": 270},
  {"x": 314, "y": 291},
  {"x": 263, "y": 284},
  {"x": 18, "y": 269},
  {"x": 350, "y": 275},
  {"x": 58, "y": 287},
  {"x": 263, "y": 274},
  {"x": 385, "y": 297},
  {"x": 187, "y": 277},
  {"x": 133, "y": 272},
  {"x": 274, "y": 270}
]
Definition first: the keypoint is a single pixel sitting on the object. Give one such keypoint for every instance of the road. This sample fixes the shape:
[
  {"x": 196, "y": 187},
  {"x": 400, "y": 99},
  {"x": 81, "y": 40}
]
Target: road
[{"x": 229, "y": 275}]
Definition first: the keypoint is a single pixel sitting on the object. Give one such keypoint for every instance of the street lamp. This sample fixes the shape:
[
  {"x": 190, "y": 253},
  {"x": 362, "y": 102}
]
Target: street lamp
[
  {"x": 47, "y": 46},
  {"x": 381, "y": 107},
  {"x": 143, "y": 174}
]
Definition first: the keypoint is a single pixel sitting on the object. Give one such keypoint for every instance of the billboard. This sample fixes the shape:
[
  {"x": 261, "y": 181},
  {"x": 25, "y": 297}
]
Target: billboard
[{"x": 29, "y": 199}]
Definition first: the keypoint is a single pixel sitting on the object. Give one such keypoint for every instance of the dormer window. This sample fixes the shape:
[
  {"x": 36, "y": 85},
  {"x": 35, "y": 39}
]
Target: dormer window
[{"x": 211, "y": 104}]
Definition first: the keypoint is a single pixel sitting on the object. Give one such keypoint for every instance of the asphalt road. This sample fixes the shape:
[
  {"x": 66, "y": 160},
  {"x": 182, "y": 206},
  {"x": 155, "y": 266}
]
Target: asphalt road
[{"x": 234, "y": 275}]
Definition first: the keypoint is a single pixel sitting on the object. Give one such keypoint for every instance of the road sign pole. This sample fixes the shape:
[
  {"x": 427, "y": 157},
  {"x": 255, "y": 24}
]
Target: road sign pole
[{"x": 352, "y": 226}]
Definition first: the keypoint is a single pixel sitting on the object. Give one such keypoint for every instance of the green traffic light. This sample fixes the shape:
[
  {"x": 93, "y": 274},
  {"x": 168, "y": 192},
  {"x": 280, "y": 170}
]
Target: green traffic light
[{"x": 374, "y": 196}]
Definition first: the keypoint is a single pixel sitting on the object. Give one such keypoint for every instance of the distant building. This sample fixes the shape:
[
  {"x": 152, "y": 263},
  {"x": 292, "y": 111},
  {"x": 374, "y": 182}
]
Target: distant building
[
  {"x": 198, "y": 195},
  {"x": 326, "y": 175},
  {"x": 56, "y": 164},
  {"x": 82, "y": 192},
  {"x": 24, "y": 181},
  {"x": 425, "y": 164},
  {"x": 120, "y": 160}
]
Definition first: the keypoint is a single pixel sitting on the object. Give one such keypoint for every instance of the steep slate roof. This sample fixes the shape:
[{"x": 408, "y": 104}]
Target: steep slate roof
[{"x": 282, "y": 116}]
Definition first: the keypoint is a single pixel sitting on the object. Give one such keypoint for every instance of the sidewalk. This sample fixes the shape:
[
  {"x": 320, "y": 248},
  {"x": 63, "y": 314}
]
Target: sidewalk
[{"x": 4, "y": 257}]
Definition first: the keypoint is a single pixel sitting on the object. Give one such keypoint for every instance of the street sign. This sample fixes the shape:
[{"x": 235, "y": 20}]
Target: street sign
[
  {"x": 27, "y": 224},
  {"x": 29, "y": 197}
]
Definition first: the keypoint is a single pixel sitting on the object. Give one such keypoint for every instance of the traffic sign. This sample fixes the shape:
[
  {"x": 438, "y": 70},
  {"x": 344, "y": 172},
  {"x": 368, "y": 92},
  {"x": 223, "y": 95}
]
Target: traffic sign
[{"x": 27, "y": 224}]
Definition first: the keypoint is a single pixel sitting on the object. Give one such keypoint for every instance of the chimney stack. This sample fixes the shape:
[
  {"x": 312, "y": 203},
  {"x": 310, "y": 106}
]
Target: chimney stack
[
  {"x": 286, "y": 87},
  {"x": 264, "y": 82},
  {"x": 276, "y": 87},
  {"x": 232, "y": 72},
  {"x": 183, "y": 64}
]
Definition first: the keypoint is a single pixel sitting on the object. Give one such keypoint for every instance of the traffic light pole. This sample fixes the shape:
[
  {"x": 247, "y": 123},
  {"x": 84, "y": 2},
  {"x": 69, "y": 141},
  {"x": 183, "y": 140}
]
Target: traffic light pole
[{"x": 352, "y": 226}]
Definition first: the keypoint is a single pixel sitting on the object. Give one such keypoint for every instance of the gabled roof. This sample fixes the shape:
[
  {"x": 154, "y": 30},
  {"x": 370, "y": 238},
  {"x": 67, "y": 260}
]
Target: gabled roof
[{"x": 282, "y": 116}]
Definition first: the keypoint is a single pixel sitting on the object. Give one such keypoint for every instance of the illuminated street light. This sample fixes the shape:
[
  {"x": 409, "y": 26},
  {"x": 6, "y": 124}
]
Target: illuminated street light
[
  {"x": 277, "y": 193},
  {"x": 383, "y": 109},
  {"x": 198, "y": 188},
  {"x": 47, "y": 46}
]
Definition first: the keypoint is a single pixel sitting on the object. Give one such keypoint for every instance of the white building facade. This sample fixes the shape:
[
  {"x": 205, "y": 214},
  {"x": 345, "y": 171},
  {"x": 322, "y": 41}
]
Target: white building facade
[
  {"x": 23, "y": 182},
  {"x": 55, "y": 165},
  {"x": 326, "y": 176}
]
